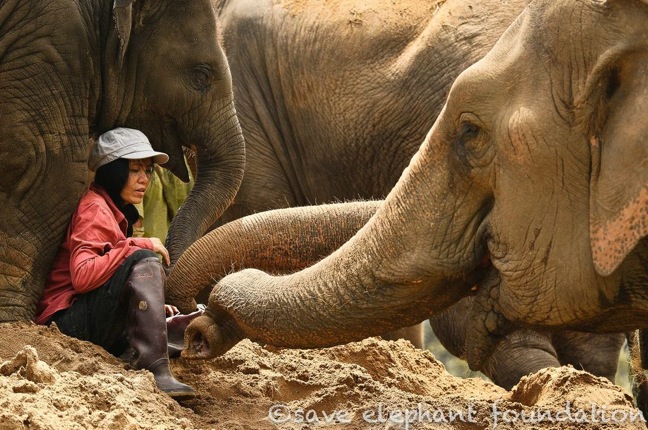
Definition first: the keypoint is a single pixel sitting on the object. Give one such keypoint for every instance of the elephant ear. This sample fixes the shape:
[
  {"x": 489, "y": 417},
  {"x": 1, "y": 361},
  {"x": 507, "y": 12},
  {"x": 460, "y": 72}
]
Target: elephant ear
[
  {"x": 619, "y": 178},
  {"x": 123, "y": 16}
]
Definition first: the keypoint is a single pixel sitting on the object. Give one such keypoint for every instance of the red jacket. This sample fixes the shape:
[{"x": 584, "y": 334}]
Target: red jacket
[{"x": 94, "y": 247}]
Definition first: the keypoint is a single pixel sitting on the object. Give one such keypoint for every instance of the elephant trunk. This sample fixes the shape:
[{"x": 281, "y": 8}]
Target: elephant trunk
[
  {"x": 418, "y": 255},
  {"x": 279, "y": 241},
  {"x": 219, "y": 175}
]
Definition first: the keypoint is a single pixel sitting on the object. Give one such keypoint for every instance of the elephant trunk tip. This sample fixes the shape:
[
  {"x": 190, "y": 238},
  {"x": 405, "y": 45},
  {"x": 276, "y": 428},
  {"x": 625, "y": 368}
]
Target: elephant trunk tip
[{"x": 204, "y": 339}]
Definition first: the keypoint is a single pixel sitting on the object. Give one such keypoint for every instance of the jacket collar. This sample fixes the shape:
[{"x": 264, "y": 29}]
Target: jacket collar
[{"x": 119, "y": 216}]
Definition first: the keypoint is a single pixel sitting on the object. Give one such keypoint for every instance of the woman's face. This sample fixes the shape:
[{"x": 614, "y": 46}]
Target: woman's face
[{"x": 139, "y": 176}]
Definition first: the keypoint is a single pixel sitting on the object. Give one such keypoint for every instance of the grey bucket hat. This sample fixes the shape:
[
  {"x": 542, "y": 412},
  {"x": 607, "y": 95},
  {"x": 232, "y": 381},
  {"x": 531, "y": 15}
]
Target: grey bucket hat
[{"x": 123, "y": 143}]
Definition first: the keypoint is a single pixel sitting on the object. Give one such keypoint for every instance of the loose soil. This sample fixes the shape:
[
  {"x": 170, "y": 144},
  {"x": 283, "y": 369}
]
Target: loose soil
[{"x": 51, "y": 381}]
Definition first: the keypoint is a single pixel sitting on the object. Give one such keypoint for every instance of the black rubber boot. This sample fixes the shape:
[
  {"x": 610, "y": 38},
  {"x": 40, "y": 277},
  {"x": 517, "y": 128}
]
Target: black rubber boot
[{"x": 146, "y": 326}]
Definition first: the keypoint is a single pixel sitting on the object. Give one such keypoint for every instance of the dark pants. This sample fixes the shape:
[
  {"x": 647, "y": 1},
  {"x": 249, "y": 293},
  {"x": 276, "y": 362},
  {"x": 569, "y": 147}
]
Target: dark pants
[{"x": 99, "y": 316}]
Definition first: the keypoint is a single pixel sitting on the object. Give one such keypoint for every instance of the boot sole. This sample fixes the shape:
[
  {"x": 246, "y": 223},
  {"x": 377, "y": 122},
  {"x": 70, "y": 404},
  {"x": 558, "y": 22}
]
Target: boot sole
[{"x": 180, "y": 395}]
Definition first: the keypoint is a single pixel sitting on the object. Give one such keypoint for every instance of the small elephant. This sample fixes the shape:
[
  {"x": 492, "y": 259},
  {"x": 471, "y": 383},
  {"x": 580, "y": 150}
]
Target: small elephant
[
  {"x": 70, "y": 71},
  {"x": 527, "y": 193}
]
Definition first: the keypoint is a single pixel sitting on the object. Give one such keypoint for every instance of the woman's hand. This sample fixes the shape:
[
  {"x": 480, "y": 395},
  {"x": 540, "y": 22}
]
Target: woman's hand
[
  {"x": 159, "y": 247},
  {"x": 171, "y": 310}
]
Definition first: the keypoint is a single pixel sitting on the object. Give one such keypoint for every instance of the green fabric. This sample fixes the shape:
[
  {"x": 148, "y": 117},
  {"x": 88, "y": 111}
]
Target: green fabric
[{"x": 163, "y": 198}]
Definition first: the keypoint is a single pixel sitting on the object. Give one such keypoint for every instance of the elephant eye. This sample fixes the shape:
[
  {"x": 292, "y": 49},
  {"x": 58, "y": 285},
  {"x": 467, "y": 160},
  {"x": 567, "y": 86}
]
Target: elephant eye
[
  {"x": 201, "y": 77},
  {"x": 469, "y": 130},
  {"x": 471, "y": 144}
]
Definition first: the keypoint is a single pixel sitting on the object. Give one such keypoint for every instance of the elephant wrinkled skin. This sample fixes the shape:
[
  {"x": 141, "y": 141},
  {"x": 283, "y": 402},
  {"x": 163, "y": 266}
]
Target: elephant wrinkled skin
[
  {"x": 302, "y": 148},
  {"x": 334, "y": 108},
  {"x": 529, "y": 185},
  {"x": 70, "y": 71},
  {"x": 285, "y": 240}
]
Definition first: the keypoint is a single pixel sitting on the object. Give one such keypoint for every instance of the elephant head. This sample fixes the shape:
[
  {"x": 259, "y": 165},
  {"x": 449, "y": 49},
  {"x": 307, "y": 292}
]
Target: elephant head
[
  {"x": 529, "y": 189},
  {"x": 73, "y": 70}
]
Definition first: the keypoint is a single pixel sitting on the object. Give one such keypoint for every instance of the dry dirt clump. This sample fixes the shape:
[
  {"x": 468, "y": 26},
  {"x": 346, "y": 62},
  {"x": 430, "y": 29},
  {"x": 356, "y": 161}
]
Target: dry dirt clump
[{"x": 50, "y": 381}]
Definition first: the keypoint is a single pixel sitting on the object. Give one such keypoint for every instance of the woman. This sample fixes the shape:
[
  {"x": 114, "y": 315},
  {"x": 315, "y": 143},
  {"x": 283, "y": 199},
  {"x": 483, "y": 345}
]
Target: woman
[{"x": 105, "y": 286}]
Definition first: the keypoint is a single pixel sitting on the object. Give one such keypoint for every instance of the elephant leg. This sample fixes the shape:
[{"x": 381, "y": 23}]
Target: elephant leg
[
  {"x": 594, "y": 353},
  {"x": 450, "y": 327},
  {"x": 259, "y": 192},
  {"x": 638, "y": 377},
  {"x": 34, "y": 213},
  {"x": 519, "y": 354}
]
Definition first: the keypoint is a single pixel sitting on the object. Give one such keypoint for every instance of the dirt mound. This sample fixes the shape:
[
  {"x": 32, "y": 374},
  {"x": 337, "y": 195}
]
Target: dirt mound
[{"x": 50, "y": 381}]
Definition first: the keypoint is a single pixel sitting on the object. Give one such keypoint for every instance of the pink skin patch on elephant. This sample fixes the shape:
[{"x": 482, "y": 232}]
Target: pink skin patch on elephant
[{"x": 612, "y": 240}]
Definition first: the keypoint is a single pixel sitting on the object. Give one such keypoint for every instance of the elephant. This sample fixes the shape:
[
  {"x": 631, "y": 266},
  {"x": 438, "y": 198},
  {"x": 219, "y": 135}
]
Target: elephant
[
  {"x": 285, "y": 240},
  {"x": 344, "y": 84},
  {"x": 301, "y": 148},
  {"x": 527, "y": 193},
  {"x": 335, "y": 106},
  {"x": 70, "y": 71}
]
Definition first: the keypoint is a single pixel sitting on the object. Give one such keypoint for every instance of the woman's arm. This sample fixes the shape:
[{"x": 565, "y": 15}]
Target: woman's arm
[{"x": 98, "y": 247}]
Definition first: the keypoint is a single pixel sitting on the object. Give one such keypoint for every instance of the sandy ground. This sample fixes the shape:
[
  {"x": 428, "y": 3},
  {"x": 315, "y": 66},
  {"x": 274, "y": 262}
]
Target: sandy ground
[{"x": 50, "y": 381}]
